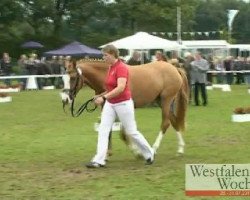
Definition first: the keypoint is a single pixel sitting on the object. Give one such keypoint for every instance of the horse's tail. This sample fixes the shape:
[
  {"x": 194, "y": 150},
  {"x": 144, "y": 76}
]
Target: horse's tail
[{"x": 177, "y": 117}]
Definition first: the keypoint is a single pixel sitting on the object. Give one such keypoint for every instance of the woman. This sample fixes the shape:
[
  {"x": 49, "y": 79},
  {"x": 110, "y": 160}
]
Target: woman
[
  {"x": 117, "y": 102},
  {"x": 160, "y": 56}
]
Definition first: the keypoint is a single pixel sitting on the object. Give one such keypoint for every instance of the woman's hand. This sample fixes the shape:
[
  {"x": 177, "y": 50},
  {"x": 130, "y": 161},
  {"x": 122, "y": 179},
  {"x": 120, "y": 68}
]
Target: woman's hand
[{"x": 99, "y": 100}]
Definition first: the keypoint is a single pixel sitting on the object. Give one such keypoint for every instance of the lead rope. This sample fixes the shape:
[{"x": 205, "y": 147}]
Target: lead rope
[{"x": 84, "y": 106}]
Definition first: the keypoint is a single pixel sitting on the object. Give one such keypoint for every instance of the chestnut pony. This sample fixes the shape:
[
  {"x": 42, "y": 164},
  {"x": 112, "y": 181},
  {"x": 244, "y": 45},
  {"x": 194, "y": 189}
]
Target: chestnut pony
[{"x": 156, "y": 81}]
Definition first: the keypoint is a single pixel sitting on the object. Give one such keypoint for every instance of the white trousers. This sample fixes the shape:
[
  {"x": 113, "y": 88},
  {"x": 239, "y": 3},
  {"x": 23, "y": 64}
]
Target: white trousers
[{"x": 125, "y": 112}]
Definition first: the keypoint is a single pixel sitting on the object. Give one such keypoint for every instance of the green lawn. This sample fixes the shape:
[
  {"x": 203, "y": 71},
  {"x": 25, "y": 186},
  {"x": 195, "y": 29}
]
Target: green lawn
[{"x": 43, "y": 150}]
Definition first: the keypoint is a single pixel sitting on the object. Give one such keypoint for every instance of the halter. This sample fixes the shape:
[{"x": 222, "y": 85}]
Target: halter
[
  {"x": 72, "y": 91},
  {"x": 72, "y": 94}
]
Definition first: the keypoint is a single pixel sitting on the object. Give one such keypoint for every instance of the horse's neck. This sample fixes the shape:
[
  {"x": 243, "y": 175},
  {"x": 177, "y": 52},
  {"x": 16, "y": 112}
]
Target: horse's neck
[{"x": 94, "y": 75}]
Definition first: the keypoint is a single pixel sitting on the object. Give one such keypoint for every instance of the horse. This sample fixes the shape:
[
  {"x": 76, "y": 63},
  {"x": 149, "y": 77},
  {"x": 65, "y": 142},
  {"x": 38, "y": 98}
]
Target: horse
[{"x": 156, "y": 81}]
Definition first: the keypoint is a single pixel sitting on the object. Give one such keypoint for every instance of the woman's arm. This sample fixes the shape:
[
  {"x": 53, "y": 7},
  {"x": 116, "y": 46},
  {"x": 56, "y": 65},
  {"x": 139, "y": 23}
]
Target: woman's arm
[{"x": 121, "y": 84}]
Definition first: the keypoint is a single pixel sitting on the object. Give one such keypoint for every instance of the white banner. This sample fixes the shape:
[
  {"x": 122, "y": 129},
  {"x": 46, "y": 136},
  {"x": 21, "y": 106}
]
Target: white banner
[
  {"x": 217, "y": 180},
  {"x": 170, "y": 34},
  {"x": 231, "y": 15}
]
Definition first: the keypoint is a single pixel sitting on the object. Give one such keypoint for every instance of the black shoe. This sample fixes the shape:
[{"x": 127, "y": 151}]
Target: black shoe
[{"x": 94, "y": 165}]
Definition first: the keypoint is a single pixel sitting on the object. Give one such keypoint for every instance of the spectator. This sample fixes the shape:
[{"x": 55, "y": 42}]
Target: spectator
[
  {"x": 211, "y": 67},
  {"x": 22, "y": 64},
  {"x": 160, "y": 56},
  {"x": 176, "y": 57},
  {"x": 62, "y": 64},
  {"x": 42, "y": 69},
  {"x": 144, "y": 59},
  {"x": 55, "y": 69},
  {"x": 238, "y": 66},
  {"x": 199, "y": 68},
  {"x": 247, "y": 74},
  {"x": 31, "y": 67},
  {"x": 135, "y": 59},
  {"x": 6, "y": 67},
  {"x": 228, "y": 65},
  {"x": 220, "y": 68}
]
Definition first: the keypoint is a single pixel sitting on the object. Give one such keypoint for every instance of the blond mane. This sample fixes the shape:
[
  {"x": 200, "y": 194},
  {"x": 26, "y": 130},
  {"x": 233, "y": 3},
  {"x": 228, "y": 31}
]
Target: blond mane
[{"x": 95, "y": 60}]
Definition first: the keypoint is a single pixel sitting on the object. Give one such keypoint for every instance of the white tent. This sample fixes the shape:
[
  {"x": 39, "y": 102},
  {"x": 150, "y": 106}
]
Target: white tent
[
  {"x": 144, "y": 41},
  {"x": 205, "y": 44},
  {"x": 241, "y": 47},
  {"x": 219, "y": 48}
]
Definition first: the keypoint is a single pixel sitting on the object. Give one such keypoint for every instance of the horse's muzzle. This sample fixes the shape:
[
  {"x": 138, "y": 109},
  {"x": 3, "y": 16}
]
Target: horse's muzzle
[{"x": 65, "y": 97}]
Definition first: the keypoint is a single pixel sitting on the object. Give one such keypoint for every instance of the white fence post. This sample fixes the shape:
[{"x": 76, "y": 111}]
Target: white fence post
[{"x": 31, "y": 83}]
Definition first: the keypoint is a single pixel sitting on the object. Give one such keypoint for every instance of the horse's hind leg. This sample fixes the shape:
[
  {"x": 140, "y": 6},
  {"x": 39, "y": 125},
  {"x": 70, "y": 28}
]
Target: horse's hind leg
[
  {"x": 164, "y": 124},
  {"x": 180, "y": 139},
  {"x": 177, "y": 128},
  {"x": 181, "y": 143}
]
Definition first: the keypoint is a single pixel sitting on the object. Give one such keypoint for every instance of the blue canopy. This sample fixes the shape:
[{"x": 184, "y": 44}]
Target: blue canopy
[
  {"x": 76, "y": 49},
  {"x": 32, "y": 45}
]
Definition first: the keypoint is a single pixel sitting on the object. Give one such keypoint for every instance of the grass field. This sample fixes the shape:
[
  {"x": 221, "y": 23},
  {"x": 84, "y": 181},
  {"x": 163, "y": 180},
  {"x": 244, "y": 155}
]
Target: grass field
[{"x": 43, "y": 151}]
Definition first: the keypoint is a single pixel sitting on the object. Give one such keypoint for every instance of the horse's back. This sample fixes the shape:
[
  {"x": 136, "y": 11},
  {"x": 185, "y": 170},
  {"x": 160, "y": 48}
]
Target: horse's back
[
  {"x": 151, "y": 80},
  {"x": 156, "y": 73}
]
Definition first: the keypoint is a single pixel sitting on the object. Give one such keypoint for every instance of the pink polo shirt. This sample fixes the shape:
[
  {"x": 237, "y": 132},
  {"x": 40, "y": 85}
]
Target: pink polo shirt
[{"x": 118, "y": 70}]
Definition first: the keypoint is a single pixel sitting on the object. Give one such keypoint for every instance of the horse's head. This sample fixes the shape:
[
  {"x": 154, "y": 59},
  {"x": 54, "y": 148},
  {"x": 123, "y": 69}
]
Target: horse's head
[{"x": 75, "y": 80}]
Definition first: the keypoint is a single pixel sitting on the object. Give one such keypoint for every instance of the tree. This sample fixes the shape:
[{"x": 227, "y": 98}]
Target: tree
[
  {"x": 241, "y": 25},
  {"x": 11, "y": 15},
  {"x": 212, "y": 15},
  {"x": 95, "y": 22}
]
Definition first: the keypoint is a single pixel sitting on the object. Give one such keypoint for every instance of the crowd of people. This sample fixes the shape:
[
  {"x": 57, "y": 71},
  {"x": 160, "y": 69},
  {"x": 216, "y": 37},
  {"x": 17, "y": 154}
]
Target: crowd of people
[
  {"x": 225, "y": 71},
  {"x": 32, "y": 65},
  {"x": 229, "y": 71},
  {"x": 229, "y": 64}
]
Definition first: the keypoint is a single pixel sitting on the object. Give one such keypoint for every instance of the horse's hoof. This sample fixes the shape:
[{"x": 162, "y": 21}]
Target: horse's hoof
[{"x": 180, "y": 150}]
